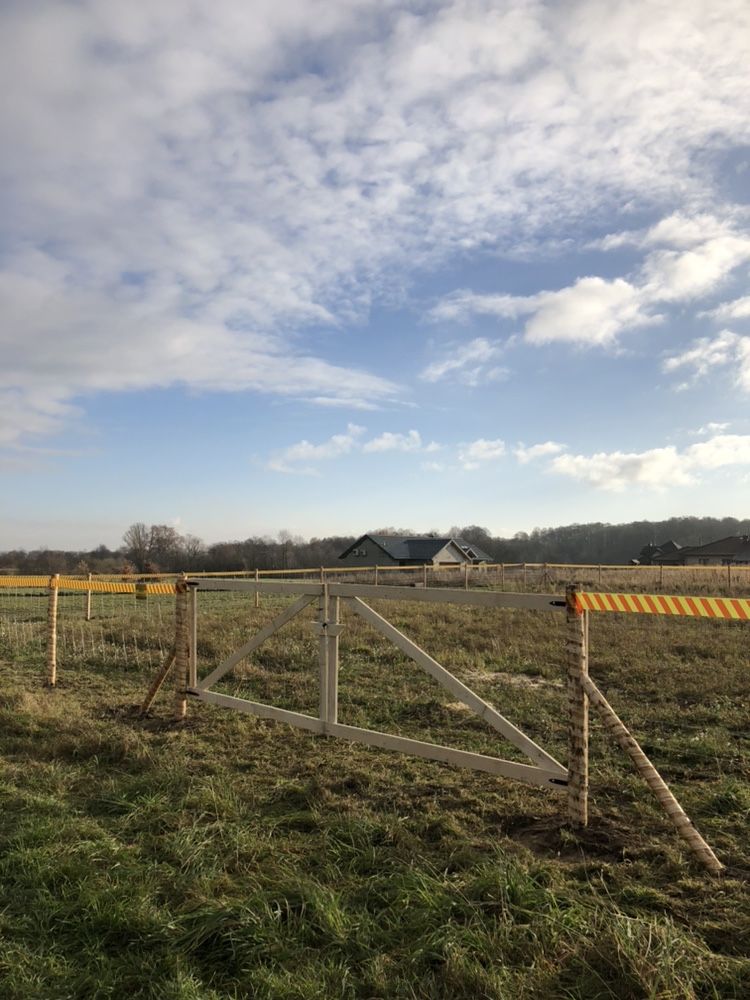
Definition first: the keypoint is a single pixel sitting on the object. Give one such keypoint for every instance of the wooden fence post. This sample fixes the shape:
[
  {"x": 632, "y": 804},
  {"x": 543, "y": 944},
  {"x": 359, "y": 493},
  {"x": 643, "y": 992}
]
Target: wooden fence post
[
  {"x": 376, "y": 575},
  {"x": 600, "y": 574},
  {"x": 257, "y": 592},
  {"x": 502, "y": 576},
  {"x": 87, "y": 605},
  {"x": 54, "y": 582},
  {"x": 466, "y": 576},
  {"x": 661, "y": 576},
  {"x": 424, "y": 575},
  {"x": 729, "y": 578},
  {"x": 578, "y": 710},
  {"x": 182, "y": 650},
  {"x": 524, "y": 576}
]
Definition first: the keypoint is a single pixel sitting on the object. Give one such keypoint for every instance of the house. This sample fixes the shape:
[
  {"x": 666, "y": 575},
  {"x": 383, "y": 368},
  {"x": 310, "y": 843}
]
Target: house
[
  {"x": 400, "y": 550},
  {"x": 731, "y": 551},
  {"x": 666, "y": 554}
]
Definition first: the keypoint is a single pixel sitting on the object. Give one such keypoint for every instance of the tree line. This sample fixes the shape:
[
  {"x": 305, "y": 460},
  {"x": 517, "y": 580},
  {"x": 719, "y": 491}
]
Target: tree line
[{"x": 161, "y": 548}]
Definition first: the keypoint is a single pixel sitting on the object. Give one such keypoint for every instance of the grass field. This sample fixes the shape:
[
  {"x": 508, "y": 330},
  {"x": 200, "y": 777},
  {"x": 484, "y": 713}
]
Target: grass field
[{"x": 231, "y": 857}]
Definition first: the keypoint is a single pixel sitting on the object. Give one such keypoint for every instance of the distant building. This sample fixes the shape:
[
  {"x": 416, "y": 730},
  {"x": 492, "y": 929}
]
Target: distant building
[
  {"x": 400, "y": 550},
  {"x": 731, "y": 551},
  {"x": 653, "y": 554}
]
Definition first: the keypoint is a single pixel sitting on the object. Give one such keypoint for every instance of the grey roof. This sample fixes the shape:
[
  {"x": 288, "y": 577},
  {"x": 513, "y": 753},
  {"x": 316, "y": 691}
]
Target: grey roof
[
  {"x": 416, "y": 547},
  {"x": 730, "y": 546}
]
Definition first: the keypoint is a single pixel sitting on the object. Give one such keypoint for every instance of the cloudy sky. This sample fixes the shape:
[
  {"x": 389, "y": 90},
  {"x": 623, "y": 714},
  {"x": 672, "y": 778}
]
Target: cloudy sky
[{"x": 330, "y": 266}]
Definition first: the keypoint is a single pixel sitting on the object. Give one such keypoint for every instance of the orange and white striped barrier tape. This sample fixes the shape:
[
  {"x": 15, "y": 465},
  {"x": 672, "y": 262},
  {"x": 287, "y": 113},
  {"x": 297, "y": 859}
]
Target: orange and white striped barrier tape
[{"x": 733, "y": 608}]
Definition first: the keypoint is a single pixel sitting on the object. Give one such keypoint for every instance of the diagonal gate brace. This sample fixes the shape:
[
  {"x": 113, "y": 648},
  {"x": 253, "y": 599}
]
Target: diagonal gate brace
[
  {"x": 446, "y": 679},
  {"x": 257, "y": 640}
]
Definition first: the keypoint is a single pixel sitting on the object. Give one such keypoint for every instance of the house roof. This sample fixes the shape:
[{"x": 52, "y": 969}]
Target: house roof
[
  {"x": 473, "y": 551},
  {"x": 416, "y": 547},
  {"x": 730, "y": 546}
]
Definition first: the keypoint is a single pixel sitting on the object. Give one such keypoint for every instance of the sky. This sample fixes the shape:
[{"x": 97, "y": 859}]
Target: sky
[{"x": 326, "y": 267}]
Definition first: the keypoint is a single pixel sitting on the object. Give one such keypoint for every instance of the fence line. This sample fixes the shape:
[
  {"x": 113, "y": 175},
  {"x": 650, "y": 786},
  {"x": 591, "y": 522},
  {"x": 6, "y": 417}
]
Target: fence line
[{"x": 467, "y": 570}]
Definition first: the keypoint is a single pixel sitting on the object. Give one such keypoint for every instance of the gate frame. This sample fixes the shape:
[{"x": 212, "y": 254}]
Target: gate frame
[{"x": 545, "y": 772}]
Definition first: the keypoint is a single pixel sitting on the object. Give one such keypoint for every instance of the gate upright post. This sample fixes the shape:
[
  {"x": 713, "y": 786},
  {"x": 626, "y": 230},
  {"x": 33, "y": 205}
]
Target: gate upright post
[
  {"x": 193, "y": 634},
  {"x": 332, "y": 663},
  {"x": 323, "y": 652},
  {"x": 578, "y": 710},
  {"x": 54, "y": 583},
  {"x": 182, "y": 650}
]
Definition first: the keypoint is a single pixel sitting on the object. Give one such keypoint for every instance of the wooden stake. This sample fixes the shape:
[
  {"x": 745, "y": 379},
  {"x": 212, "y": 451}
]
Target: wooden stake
[
  {"x": 614, "y": 725},
  {"x": 257, "y": 592},
  {"x": 466, "y": 576},
  {"x": 54, "y": 582},
  {"x": 376, "y": 576},
  {"x": 161, "y": 676},
  {"x": 87, "y": 605},
  {"x": 182, "y": 650},
  {"x": 424, "y": 575},
  {"x": 578, "y": 712},
  {"x": 524, "y": 576},
  {"x": 502, "y": 576},
  {"x": 661, "y": 576}
]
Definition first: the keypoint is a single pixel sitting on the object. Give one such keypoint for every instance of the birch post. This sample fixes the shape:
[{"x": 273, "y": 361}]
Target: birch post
[
  {"x": 54, "y": 582},
  {"x": 578, "y": 712},
  {"x": 157, "y": 682},
  {"x": 616, "y": 728},
  {"x": 182, "y": 650}
]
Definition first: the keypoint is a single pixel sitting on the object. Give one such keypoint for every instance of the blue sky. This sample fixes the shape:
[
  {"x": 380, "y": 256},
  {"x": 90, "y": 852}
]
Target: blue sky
[{"x": 327, "y": 267}]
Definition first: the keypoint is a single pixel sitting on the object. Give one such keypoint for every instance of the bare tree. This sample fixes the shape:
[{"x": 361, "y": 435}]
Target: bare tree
[{"x": 137, "y": 541}]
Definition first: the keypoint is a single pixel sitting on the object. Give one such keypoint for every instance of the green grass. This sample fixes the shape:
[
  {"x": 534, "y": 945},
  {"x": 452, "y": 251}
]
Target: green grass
[{"x": 231, "y": 857}]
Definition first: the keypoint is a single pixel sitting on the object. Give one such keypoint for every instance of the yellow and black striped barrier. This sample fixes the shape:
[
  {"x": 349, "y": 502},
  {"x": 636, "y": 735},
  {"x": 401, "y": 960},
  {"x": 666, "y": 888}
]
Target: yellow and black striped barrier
[{"x": 732, "y": 608}]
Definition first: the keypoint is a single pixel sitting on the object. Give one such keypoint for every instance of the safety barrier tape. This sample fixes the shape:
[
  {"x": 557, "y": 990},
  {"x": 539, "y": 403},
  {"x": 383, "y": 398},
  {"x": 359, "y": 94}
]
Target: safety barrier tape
[
  {"x": 734, "y": 608},
  {"x": 95, "y": 586}
]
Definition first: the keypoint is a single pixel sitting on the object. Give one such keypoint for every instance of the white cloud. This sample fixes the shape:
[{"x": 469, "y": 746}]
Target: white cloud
[
  {"x": 712, "y": 427},
  {"x": 388, "y": 441},
  {"x": 727, "y": 349},
  {"x": 478, "y": 452},
  {"x": 594, "y": 311},
  {"x": 469, "y": 364},
  {"x": 736, "y": 309},
  {"x": 683, "y": 275},
  {"x": 292, "y": 459},
  {"x": 591, "y": 311},
  {"x": 183, "y": 195},
  {"x": 526, "y": 455},
  {"x": 305, "y": 451},
  {"x": 657, "y": 468}
]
